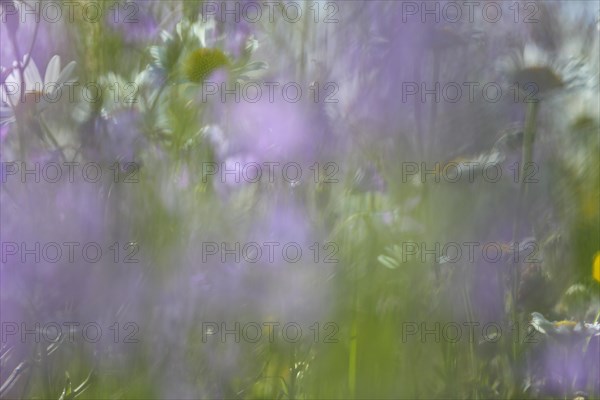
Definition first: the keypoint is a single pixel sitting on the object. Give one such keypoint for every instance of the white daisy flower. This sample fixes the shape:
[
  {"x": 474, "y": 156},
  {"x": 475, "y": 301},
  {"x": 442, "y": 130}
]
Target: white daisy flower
[
  {"x": 534, "y": 71},
  {"x": 41, "y": 91},
  {"x": 563, "y": 329}
]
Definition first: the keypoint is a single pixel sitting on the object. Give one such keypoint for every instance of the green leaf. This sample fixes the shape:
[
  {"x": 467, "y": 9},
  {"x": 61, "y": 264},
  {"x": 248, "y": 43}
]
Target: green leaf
[{"x": 67, "y": 392}]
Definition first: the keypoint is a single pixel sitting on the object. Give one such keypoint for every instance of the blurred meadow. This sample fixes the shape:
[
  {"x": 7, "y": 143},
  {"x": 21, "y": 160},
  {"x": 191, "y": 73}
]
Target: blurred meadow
[{"x": 299, "y": 199}]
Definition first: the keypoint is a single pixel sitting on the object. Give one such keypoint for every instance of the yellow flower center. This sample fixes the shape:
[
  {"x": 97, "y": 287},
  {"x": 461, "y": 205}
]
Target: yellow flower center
[
  {"x": 202, "y": 62},
  {"x": 570, "y": 324},
  {"x": 543, "y": 78}
]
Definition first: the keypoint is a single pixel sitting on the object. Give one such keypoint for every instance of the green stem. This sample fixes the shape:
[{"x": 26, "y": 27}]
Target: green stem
[
  {"x": 293, "y": 374},
  {"x": 526, "y": 159},
  {"x": 418, "y": 110},
  {"x": 45, "y": 370},
  {"x": 352, "y": 357},
  {"x": 433, "y": 135},
  {"x": 528, "y": 140},
  {"x": 51, "y": 137},
  {"x": 160, "y": 90},
  {"x": 472, "y": 356}
]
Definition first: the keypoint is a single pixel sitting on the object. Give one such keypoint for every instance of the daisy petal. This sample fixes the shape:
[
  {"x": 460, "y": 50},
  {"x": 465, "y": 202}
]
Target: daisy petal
[
  {"x": 66, "y": 74},
  {"x": 3, "y": 97},
  {"x": 52, "y": 70},
  {"x": 33, "y": 79},
  {"x": 13, "y": 84}
]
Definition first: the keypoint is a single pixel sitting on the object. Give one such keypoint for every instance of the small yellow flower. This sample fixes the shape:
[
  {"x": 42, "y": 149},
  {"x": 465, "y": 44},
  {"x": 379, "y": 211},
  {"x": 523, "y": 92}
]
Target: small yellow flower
[
  {"x": 202, "y": 62},
  {"x": 596, "y": 267}
]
